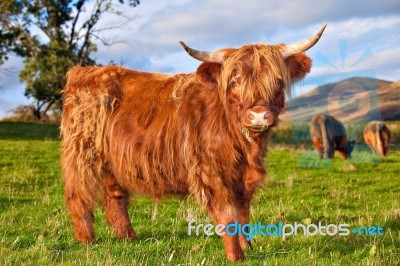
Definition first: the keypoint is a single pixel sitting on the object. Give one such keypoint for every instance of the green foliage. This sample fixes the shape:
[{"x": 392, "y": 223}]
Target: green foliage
[
  {"x": 67, "y": 39},
  {"x": 35, "y": 226},
  {"x": 8, "y": 32},
  {"x": 45, "y": 76}
]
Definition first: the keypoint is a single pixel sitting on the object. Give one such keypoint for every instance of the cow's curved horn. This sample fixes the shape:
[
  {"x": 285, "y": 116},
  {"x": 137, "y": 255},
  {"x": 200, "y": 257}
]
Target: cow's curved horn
[
  {"x": 213, "y": 57},
  {"x": 300, "y": 47}
]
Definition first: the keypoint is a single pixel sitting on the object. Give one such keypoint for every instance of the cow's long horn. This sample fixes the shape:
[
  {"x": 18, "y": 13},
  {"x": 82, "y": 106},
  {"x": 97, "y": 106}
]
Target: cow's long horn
[
  {"x": 205, "y": 56},
  {"x": 303, "y": 46}
]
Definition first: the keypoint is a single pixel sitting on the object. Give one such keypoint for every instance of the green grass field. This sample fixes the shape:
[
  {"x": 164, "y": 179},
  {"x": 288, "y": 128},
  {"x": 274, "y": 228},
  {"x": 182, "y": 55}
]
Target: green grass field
[{"x": 35, "y": 227}]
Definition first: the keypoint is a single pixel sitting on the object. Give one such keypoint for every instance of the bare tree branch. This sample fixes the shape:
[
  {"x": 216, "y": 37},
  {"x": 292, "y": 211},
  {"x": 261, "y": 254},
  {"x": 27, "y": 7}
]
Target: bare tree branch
[
  {"x": 79, "y": 6},
  {"x": 89, "y": 24},
  {"x": 49, "y": 105},
  {"x": 107, "y": 42},
  {"x": 11, "y": 71},
  {"x": 121, "y": 25}
]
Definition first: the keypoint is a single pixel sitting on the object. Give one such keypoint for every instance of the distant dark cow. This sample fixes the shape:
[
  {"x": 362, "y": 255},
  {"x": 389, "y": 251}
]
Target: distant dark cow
[
  {"x": 377, "y": 136},
  {"x": 329, "y": 135},
  {"x": 129, "y": 132}
]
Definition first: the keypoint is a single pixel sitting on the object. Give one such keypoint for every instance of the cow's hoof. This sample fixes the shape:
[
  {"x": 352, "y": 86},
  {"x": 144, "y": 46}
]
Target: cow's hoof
[
  {"x": 84, "y": 239},
  {"x": 84, "y": 236},
  {"x": 246, "y": 245},
  {"x": 128, "y": 237},
  {"x": 239, "y": 256},
  {"x": 126, "y": 233}
]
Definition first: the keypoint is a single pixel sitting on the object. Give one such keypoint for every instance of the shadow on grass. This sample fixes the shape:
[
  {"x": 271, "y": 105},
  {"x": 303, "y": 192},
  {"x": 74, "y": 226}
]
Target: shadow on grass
[
  {"x": 6, "y": 203},
  {"x": 28, "y": 131},
  {"x": 394, "y": 225},
  {"x": 310, "y": 159}
]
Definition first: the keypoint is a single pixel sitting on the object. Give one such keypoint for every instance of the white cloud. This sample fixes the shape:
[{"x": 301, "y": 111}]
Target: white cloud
[
  {"x": 215, "y": 24},
  {"x": 356, "y": 27}
]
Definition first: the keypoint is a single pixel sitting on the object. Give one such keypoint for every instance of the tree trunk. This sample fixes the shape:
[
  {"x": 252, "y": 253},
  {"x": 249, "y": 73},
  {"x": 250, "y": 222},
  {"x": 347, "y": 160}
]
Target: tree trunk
[{"x": 37, "y": 114}]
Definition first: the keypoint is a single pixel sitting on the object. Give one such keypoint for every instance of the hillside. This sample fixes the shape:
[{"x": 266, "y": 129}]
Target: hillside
[{"x": 350, "y": 100}]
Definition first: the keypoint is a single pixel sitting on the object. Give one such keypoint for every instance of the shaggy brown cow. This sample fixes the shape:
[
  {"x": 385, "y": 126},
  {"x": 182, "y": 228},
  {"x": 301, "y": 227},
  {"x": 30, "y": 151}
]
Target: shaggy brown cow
[
  {"x": 377, "y": 136},
  {"x": 329, "y": 135},
  {"x": 125, "y": 131}
]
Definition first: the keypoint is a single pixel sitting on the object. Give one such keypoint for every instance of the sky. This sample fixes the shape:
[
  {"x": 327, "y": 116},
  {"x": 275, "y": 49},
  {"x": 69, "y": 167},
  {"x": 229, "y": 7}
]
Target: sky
[{"x": 362, "y": 37}]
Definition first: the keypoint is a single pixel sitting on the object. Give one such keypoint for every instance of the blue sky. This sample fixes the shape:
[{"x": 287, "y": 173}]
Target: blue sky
[{"x": 362, "y": 37}]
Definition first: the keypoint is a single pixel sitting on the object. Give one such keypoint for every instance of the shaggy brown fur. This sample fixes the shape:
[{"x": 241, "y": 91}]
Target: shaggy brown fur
[
  {"x": 377, "y": 136},
  {"x": 125, "y": 131},
  {"x": 329, "y": 135}
]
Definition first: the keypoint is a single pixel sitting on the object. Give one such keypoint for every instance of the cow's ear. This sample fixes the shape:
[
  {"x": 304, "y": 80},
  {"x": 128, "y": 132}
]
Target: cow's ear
[
  {"x": 209, "y": 73},
  {"x": 298, "y": 66}
]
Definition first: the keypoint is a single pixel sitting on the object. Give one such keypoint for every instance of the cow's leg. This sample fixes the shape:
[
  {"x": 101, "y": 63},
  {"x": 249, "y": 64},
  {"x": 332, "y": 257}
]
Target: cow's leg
[
  {"x": 385, "y": 149},
  {"x": 343, "y": 154},
  {"x": 244, "y": 218},
  {"x": 329, "y": 150},
  {"x": 115, "y": 202},
  {"x": 252, "y": 179},
  {"x": 80, "y": 203},
  {"x": 225, "y": 216},
  {"x": 221, "y": 205},
  {"x": 317, "y": 143},
  {"x": 320, "y": 153}
]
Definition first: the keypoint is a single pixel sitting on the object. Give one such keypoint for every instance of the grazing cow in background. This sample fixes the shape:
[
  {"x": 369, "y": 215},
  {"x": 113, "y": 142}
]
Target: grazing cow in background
[
  {"x": 377, "y": 136},
  {"x": 329, "y": 135},
  {"x": 129, "y": 132}
]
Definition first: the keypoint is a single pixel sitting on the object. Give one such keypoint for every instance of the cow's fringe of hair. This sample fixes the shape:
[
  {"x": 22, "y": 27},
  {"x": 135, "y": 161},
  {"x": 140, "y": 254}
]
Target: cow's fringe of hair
[
  {"x": 83, "y": 144},
  {"x": 268, "y": 70}
]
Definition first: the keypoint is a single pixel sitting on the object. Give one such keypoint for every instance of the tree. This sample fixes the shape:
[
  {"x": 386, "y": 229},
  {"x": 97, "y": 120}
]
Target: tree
[{"x": 63, "y": 39}]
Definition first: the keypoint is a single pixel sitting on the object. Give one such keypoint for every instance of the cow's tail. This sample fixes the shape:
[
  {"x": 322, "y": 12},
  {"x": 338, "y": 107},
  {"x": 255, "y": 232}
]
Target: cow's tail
[
  {"x": 83, "y": 147},
  {"x": 326, "y": 142}
]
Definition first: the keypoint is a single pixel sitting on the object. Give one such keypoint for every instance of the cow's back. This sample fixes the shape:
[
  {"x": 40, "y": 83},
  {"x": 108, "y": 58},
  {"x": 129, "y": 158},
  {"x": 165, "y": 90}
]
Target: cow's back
[
  {"x": 325, "y": 123},
  {"x": 334, "y": 127},
  {"x": 109, "y": 88},
  {"x": 112, "y": 80}
]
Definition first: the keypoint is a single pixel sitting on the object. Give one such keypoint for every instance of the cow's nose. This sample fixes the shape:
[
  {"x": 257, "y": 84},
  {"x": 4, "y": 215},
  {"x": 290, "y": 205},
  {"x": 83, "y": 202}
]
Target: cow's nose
[{"x": 258, "y": 118}]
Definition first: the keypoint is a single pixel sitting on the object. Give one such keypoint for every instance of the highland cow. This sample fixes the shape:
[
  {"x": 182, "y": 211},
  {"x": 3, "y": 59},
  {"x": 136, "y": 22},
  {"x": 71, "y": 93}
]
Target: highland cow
[
  {"x": 129, "y": 132},
  {"x": 329, "y": 135},
  {"x": 377, "y": 137}
]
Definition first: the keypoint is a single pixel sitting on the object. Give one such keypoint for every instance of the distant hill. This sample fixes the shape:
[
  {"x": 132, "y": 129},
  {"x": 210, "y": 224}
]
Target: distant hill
[{"x": 350, "y": 100}]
